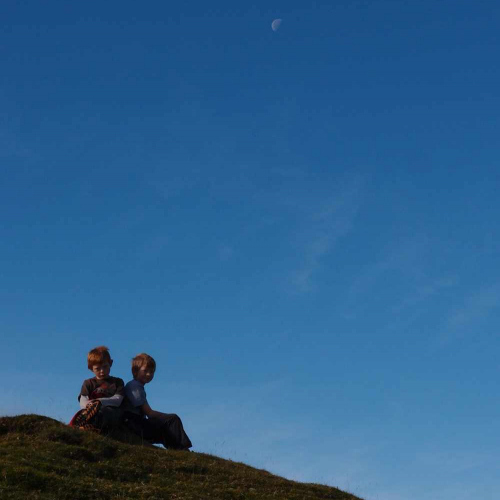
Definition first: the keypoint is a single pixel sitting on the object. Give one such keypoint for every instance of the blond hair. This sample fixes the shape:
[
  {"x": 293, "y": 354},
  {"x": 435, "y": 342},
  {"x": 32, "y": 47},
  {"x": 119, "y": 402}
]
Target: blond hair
[{"x": 140, "y": 361}]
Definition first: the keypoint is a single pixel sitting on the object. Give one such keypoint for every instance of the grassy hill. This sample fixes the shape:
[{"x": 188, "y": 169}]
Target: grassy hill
[{"x": 43, "y": 458}]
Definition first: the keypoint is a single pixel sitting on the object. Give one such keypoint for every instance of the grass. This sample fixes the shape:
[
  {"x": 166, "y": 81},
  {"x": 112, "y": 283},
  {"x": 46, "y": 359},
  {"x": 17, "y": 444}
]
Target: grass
[{"x": 41, "y": 458}]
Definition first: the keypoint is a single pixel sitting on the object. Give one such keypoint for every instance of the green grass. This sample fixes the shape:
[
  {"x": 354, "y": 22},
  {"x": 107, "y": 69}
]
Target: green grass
[{"x": 43, "y": 458}]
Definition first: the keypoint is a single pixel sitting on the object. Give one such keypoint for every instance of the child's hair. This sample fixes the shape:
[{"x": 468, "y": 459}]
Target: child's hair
[
  {"x": 141, "y": 360},
  {"x": 97, "y": 356}
]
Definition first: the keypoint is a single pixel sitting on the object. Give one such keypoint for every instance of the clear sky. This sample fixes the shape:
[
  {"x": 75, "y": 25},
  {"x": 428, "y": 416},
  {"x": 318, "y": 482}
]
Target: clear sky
[{"x": 300, "y": 225}]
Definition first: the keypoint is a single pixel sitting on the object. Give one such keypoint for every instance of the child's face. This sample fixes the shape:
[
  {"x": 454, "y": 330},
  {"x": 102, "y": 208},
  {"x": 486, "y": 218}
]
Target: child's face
[
  {"x": 145, "y": 374},
  {"x": 101, "y": 370}
]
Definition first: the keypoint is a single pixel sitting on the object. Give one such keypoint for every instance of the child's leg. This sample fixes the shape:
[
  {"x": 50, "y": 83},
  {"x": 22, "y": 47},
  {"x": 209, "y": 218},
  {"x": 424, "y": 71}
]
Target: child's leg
[
  {"x": 111, "y": 417},
  {"x": 138, "y": 425},
  {"x": 169, "y": 431},
  {"x": 88, "y": 418}
]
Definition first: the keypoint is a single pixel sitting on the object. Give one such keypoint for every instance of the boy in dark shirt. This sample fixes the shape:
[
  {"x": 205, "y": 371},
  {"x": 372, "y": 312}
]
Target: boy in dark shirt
[
  {"x": 153, "y": 426},
  {"x": 101, "y": 396}
]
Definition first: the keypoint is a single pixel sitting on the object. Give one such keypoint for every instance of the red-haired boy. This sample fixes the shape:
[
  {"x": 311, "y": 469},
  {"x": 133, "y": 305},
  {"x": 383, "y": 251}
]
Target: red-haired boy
[
  {"x": 152, "y": 425},
  {"x": 108, "y": 390}
]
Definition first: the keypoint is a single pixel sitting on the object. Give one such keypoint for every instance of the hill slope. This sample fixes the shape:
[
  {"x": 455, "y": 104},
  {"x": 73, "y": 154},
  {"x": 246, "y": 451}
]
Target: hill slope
[{"x": 43, "y": 458}]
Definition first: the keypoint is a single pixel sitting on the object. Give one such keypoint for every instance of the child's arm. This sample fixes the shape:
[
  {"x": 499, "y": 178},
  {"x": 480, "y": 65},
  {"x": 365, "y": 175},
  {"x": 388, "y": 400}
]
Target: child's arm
[
  {"x": 147, "y": 410},
  {"x": 115, "y": 400},
  {"x": 83, "y": 401},
  {"x": 84, "y": 396}
]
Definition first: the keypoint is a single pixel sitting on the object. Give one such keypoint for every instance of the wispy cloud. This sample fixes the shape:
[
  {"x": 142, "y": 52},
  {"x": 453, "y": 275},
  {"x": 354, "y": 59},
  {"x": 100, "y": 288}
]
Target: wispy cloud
[
  {"x": 403, "y": 256},
  {"x": 324, "y": 222},
  {"x": 472, "y": 313},
  {"x": 425, "y": 291},
  {"x": 406, "y": 270},
  {"x": 225, "y": 251},
  {"x": 453, "y": 461},
  {"x": 417, "y": 301}
]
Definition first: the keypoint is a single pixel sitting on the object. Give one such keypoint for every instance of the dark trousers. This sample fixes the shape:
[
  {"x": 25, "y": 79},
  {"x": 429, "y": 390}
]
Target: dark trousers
[
  {"x": 165, "y": 429},
  {"x": 109, "y": 417}
]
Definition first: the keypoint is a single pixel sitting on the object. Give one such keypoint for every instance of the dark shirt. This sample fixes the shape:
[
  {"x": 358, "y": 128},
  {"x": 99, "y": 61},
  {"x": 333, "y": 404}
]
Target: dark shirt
[{"x": 97, "y": 389}]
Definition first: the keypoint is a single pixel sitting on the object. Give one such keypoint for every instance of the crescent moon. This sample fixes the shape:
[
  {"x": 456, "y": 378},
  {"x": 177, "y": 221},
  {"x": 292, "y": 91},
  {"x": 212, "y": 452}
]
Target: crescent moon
[{"x": 276, "y": 24}]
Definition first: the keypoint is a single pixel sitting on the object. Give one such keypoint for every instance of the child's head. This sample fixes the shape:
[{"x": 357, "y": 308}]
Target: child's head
[
  {"x": 99, "y": 362},
  {"x": 143, "y": 368}
]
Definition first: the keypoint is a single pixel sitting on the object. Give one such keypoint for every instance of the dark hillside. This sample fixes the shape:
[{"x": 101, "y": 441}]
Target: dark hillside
[{"x": 43, "y": 458}]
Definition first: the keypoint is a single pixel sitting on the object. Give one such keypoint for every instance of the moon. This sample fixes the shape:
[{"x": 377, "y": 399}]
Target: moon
[{"x": 276, "y": 24}]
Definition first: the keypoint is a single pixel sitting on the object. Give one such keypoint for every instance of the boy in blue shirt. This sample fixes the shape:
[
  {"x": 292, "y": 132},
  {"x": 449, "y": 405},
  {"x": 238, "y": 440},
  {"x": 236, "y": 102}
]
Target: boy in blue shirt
[{"x": 152, "y": 425}]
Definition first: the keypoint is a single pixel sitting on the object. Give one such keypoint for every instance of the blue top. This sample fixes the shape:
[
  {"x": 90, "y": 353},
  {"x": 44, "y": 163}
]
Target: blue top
[{"x": 136, "y": 395}]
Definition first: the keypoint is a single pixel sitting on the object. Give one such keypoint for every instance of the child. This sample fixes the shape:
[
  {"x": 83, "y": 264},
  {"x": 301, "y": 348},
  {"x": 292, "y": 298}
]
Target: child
[
  {"x": 100, "y": 396},
  {"x": 154, "y": 426}
]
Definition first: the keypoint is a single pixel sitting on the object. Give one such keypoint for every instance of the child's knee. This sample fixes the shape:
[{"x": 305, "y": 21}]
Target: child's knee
[{"x": 111, "y": 415}]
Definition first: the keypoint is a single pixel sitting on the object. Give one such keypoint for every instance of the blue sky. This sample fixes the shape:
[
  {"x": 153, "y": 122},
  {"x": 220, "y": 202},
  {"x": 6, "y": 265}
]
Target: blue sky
[{"x": 301, "y": 227}]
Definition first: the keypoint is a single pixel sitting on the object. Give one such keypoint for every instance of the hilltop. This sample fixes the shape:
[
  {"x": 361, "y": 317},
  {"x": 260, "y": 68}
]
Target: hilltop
[{"x": 41, "y": 458}]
